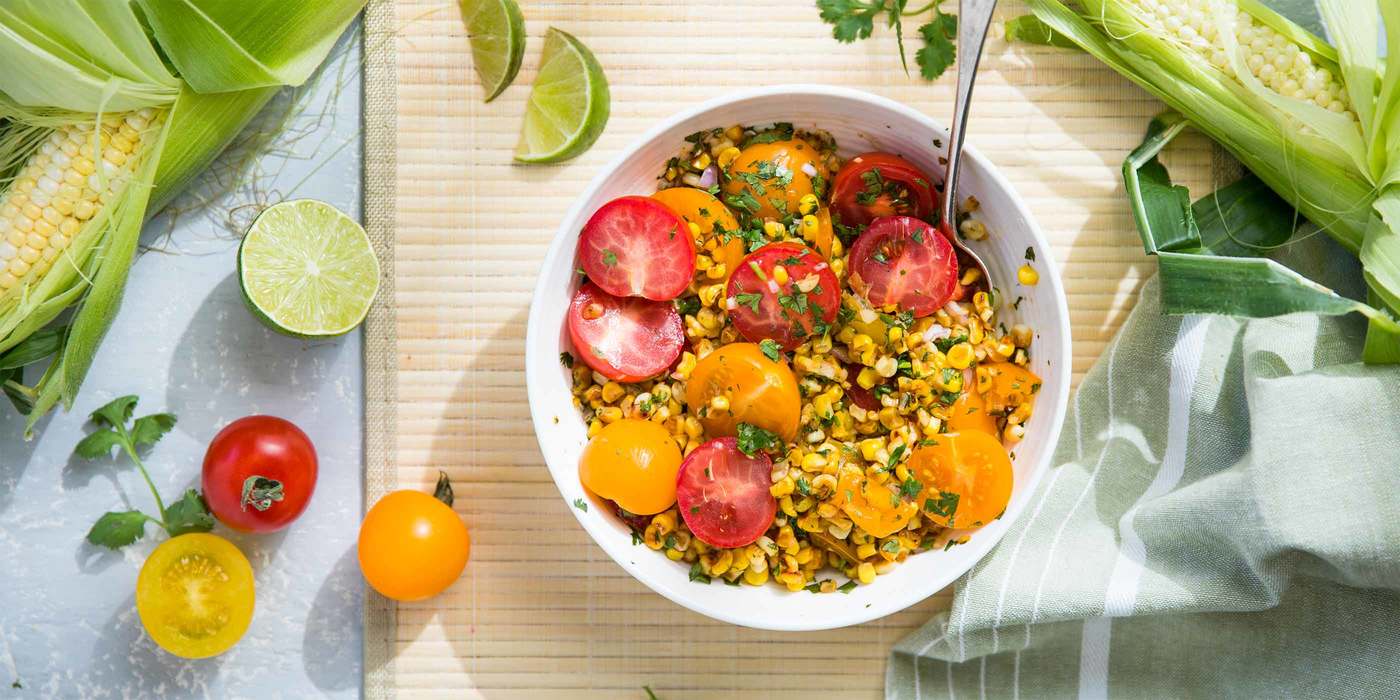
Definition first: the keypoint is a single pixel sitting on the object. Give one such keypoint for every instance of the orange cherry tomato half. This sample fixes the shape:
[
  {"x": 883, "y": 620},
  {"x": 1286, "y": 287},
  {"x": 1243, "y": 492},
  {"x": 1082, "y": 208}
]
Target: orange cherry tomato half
[
  {"x": 969, "y": 412},
  {"x": 759, "y": 391},
  {"x": 412, "y": 546},
  {"x": 877, "y": 508},
  {"x": 703, "y": 209},
  {"x": 966, "y": 479},
  {"x": 1007, "y": 385},
  {"x": 633, "y": 463},
  {"x": 773, "y": 176},
  {"x": 825, "y": 233}
]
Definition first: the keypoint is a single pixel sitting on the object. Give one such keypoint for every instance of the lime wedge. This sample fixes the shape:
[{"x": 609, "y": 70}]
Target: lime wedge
[
  {"x": 307, "y": 270},
  {"x": 568, "y": 105},
  {"x": 497, "y": 33}
]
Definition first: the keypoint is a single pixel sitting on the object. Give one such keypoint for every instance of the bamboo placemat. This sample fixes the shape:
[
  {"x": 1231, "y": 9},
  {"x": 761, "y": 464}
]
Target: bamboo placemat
[{"x": 541, "y": 611}]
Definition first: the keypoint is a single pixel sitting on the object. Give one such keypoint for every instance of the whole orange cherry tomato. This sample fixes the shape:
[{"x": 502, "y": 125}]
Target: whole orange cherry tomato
[
  {"x": 877, "y": 508},
  {"x": 966, "y": 479},
  {"x": 714, "y": 219},
  {"x": 634, "y": 463},
  {"x": 1007, "y": 385},
  {"x": 773, "y": 176},
  {"x": 413, "y": 545},
  {"x": 759, "y": 391}
]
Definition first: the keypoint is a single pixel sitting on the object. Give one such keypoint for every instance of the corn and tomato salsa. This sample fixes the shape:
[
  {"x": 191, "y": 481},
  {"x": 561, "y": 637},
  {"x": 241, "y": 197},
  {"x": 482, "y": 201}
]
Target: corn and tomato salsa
[{"x": 823, "y": 393}]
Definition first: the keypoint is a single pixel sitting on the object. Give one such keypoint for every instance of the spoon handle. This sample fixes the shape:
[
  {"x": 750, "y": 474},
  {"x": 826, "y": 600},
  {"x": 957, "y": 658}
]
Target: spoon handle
[{"x": 974, "y": 19}]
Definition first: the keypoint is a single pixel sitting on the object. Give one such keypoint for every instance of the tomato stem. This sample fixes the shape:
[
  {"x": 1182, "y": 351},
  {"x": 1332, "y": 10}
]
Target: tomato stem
[{"x": 443, "y": 492}]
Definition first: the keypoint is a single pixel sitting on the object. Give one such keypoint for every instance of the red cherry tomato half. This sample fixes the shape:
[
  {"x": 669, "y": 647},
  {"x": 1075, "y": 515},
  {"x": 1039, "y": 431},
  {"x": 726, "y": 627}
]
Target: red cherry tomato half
[
  {"x": 873, "y": 185},
  {"x": 904, "y": 262},
  {"x": 786, "y": 311},
  {"x": 624, "y": 338},
  {"x": 723, "y": 494},
  {"x": 637, "y": 247},
  {"x": 259, "y": 474}
]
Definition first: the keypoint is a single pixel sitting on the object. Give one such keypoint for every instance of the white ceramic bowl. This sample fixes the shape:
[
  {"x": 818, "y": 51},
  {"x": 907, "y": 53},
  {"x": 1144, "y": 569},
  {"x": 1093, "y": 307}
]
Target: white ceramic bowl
[{"x": 860, "y": 122}]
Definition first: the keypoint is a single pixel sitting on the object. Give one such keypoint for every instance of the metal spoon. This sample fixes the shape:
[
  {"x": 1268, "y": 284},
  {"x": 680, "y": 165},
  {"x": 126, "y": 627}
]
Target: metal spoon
[{"x": 974, "y": 19}]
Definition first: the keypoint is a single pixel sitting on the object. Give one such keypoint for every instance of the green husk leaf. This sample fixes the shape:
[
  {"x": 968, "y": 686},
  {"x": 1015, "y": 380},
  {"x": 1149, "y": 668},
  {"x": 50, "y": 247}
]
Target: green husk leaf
[
  {"x": 1162, "y": 210},
  {"x": 54, "y": 58},
  {"x": 202, "y": 126},
  {"x": 1250, "y": 287},
  {"x": 1355, "y": 30},
  {"x": 1029, "y": 29},
  {"x": 1244, "y": 219},
  {"x": 34, "y": 348},
  {"x": 229, "y": 45}
]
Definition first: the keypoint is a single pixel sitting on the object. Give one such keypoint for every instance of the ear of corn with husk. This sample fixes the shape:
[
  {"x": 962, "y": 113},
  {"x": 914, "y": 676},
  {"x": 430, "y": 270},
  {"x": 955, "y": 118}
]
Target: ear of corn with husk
[
  {"x": 1318, "y": 122},
  {"x": 97, "y": 132}
]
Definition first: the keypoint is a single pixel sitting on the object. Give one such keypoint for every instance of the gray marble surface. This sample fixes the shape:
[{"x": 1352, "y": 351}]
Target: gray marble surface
[{"x": 185, "y": 343}]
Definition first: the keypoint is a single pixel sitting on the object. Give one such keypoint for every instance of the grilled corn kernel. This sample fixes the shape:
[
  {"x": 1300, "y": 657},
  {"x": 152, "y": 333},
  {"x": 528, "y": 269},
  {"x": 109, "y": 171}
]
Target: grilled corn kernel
[
  {"x": 1021, "y": 335},
  {"x": 612, "y": 391},
  {"x": 866, "y": 572},
  {"x": 773, "y": 229},
  {"x": 808, "y": 204},
  {"x": 809, "y": 227},
  {"x": 960, "y": 356},
  {"x": 782, "y": 488},
  {"x": 727, "y": 156},
  {"x": 701, "y": 162},
  {"x": 867, "y": 378},
  {"x": 780, "y": 274},
  {"x": 970, "y": 277},
  {"x": 685, "y": 367},
  {"x": 973, "y": 230},
  {"x": 1027, "y": 275},
  {"x": 756, "y": 575}
]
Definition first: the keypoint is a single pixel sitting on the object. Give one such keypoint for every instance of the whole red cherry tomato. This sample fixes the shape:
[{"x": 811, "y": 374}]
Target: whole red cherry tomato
[{"x": 259, "y": 474}]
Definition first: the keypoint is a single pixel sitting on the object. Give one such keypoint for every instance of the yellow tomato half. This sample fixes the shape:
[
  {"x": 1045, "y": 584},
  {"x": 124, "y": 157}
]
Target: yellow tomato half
[
  {"x": 195, "y": 595},
  {"x": 875, "y": 507},
  {"x": 969, "y": 412},
  {"x": 706, "y": 211},
  {"x": 1007, "y": 385},
  {"x": 757, "y": 390},
  {"x": 966, "y": 479},
  {"x": 634, "y": 463},
  {"x": 775, "y": 171}
]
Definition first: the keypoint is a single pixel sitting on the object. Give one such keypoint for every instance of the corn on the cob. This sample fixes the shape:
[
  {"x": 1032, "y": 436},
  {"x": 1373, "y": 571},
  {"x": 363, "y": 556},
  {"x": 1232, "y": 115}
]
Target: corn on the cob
[
  {"x": 1278, "y": 62},
  {"x": 76, "y": 171}
]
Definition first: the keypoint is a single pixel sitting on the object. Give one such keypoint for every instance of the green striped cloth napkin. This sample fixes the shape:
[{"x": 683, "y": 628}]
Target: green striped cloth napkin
[{"x": 1221, "y": 519}]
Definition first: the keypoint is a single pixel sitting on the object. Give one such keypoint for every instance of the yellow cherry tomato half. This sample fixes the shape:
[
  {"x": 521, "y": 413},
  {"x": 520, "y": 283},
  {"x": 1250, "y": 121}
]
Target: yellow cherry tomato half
[
  {"x": 750, "y": 388},
  {"x": 634, "y": 463},
  {"x": 412, "y": 546},
  {"x": 714, "y": 219},
  {"x": 969, "y": 412},
  {"x": 1007, "y": 385},
  {"x": 876, "y": 508},
  {"x": 195, "y": 595},
  {"x": 966, "y": 479},
  {"x": 774, "y": 172}
]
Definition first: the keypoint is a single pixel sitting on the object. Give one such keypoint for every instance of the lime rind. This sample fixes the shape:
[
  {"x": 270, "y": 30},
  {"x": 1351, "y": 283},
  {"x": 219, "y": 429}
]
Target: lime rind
[
  {"x": 307, "y": 270},
  {"x": 496, "y": 30},
  {"x": 569, "y": 102}
]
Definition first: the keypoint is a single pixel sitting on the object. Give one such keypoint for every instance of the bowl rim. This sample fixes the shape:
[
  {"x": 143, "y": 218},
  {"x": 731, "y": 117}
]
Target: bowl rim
[{"x": 898, "y": 599}]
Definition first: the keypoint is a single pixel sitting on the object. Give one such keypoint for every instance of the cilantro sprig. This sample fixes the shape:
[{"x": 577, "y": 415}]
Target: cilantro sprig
[
  {"x": 117, "y": 429},
  {"x": 854, "y": 20}
]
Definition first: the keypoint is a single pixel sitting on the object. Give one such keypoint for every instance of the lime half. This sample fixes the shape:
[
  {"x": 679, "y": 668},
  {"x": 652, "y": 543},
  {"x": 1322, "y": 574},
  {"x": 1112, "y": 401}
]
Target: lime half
[
  {"x": 497, "y": 33},
  {"x": 308, "y": 270},
  {"x": 568, "y": 105}
]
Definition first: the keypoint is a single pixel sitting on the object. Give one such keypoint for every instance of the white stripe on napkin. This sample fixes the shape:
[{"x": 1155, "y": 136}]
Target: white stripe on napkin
[{"x": 1121, "y": 595}]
